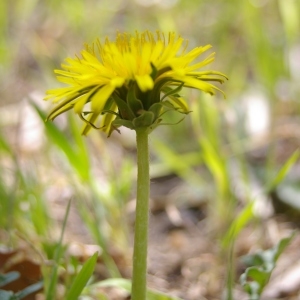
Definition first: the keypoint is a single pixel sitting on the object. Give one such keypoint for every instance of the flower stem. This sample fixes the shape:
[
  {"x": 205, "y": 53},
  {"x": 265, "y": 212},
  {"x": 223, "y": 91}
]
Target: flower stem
[{"x": 139, "y": 282}]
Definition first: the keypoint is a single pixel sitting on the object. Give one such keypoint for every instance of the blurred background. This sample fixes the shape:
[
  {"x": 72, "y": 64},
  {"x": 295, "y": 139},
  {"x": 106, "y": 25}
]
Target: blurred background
[{"x": 223, "y": 160}]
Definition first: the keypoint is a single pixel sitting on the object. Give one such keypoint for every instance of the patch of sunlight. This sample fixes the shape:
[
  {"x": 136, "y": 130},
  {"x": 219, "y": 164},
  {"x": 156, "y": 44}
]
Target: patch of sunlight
[{"x": 257, "y": 113}]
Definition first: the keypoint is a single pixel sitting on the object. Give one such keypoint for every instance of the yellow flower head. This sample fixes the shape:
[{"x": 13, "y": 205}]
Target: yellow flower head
[{"x": 132, "y": 81}]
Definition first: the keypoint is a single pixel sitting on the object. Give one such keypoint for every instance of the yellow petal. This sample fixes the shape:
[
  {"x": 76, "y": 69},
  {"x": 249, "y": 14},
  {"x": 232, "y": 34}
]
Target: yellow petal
[
  {"x": 80, "y": 102},
  {"x": 145, "y": 82},
  {"x": 117, "y": 81},
  {"x": 100, "y": 98}
]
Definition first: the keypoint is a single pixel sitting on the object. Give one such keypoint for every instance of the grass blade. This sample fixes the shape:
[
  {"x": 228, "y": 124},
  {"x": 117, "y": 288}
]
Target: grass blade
[
  {"x": 50, "y": 294},
  {"x": 283, "y": 171},
  {"x": 238, "y": 224},
  {"x": 82, "y": 278},
  {"x": 76, "y": 154}
]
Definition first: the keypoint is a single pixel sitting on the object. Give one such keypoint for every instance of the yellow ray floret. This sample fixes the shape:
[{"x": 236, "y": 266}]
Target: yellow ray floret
[{"x": 126, "y": 77}]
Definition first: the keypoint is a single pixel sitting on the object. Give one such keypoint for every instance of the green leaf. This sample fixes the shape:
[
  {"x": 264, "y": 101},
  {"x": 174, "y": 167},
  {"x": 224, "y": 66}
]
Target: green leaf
[
  {"x": 82, "y": 278},
  {"x": 29, "y": 290},
  {"x": 7, "y": 295},
  {"x": 125, "y": 284},
  {"x": 154, "y": 295},
  {"x": 8, "y": 277},
  {"x": 255, "y": 278}
]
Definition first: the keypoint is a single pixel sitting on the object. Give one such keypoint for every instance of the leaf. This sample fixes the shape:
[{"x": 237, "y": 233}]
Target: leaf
[
  {"x": 154, "y": 295},
  {"x": 29, "y": 290},
  {"x": 82, "y": 278},
  {"x": 7, "y": 295},
  {"x": 255, "y": 278},
  {"x": 8, "y": 277},
  {"x": 125, "y": 284}
]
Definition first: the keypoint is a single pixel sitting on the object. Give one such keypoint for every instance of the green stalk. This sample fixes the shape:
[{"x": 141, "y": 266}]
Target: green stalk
[{"x": 139, "y": 282}]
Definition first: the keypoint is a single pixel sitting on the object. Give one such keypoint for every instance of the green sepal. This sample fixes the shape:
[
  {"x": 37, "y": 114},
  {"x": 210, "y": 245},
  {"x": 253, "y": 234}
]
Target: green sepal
[
  {"x": 154, "y": 95},
  {"x": 125, "y": 111},
  {"x": 134, "y": 104},
  {"x": 168, "y": 91},
  {"x": 120, "y": 122},
  {"x": 154, "y": 125},
  {"x": 108, "y": 104},
  {"x": 89, "y": 123},
  {"x": 171, "y": 124},
  {"x": 156, "y": 108},
  {"x": 146, "y": 119},
  {"x": 154, "y": 72},
  {"x": 179, "y": 104},
  {"x": 158, "y": 122},
  {"x": 167, "y": 104},
  {"x": 68, "y": 102},
  {"x": 58, "y": 111},
  {"x": 164, "y": 70},
  {"x": 161, "y": 108},
  {"x": 108, "y": 117}
]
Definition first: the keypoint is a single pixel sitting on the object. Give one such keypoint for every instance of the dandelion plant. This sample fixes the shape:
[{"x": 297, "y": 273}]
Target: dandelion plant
[{"x": 132, "y": 82}]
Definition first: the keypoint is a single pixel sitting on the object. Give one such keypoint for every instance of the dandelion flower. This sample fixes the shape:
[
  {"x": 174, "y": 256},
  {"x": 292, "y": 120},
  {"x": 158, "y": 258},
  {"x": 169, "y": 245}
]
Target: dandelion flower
[{"x": 131, "y": 81}]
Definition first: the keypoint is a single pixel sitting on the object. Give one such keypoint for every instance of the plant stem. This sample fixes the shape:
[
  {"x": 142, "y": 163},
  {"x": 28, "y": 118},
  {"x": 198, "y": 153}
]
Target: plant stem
[{"x": 142, "y": 215}]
